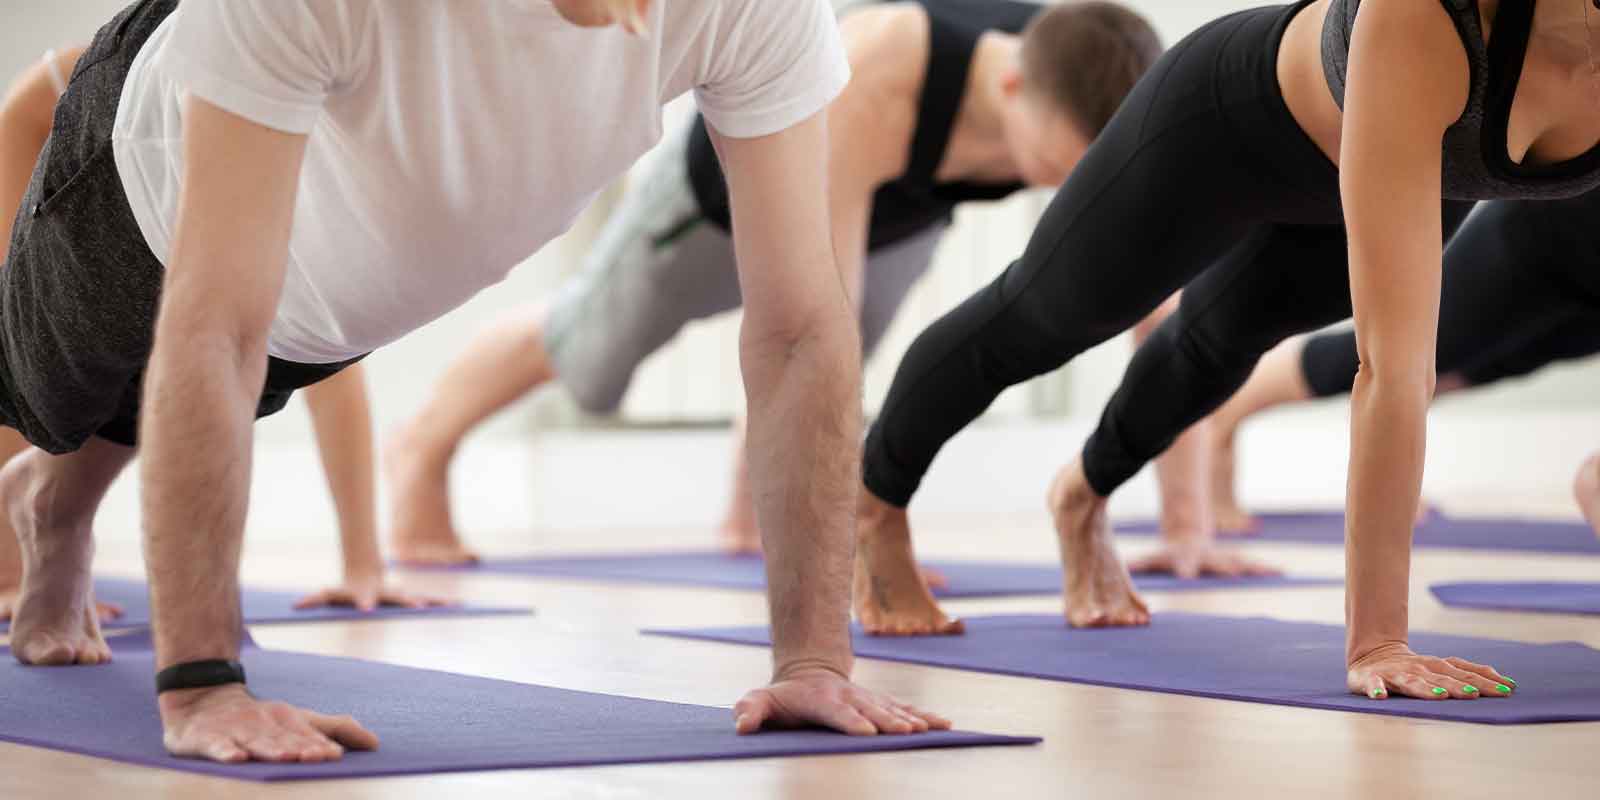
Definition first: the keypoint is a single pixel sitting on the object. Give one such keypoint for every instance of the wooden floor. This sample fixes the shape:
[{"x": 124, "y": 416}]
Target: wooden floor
[{"x": 1099, "y": 742}]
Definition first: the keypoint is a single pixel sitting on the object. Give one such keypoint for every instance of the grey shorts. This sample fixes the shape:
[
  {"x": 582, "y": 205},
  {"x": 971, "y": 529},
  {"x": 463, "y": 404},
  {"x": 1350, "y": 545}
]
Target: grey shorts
[
  {"x": 79, "y": 289},
  {"x": 658, "y": 265}
]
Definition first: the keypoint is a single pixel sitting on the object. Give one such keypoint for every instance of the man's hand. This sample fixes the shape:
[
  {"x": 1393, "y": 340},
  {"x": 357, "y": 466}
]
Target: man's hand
[
  {"x": 226, "y": 724},
  {"x": 820, "y": 696}
]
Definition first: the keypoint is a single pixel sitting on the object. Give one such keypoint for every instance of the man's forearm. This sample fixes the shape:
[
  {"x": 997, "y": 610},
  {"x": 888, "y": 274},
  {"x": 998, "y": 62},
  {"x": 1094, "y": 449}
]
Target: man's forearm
[
  {"x": 804, "y": 442},
  {"x": 196, "y": 436}
]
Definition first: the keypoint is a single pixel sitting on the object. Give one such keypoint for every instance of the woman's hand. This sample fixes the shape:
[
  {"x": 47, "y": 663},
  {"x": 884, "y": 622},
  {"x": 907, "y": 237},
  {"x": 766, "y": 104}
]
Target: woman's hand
[{"x": 1394, "y": 669}]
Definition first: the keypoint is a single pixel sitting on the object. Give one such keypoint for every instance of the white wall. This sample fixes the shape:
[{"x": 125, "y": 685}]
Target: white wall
[{"x": 696, "y": 378}]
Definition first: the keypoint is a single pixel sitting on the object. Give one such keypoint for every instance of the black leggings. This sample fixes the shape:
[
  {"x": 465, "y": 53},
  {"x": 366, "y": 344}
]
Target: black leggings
[
  {"x": 1203, "y": 179},
  {"x": 1521, "y": 291}
]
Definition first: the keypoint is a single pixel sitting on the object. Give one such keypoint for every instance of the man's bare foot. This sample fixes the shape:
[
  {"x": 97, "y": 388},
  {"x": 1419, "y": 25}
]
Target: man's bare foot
[
  {"x": 55, "y": 620},
  {"x": 106, "y": 612},
  {"x": 745, "y": 540},
  {"x": 421, "y": 529},
  {"x": 1096, "y": 585},
  {"x": 891, "y": 598},
  {"x": 1189, "y": 560},
  {"x": 739, "y": 537},
  {"x": 1587, "y": 490},
  {"x": 1231, "y": 518}
]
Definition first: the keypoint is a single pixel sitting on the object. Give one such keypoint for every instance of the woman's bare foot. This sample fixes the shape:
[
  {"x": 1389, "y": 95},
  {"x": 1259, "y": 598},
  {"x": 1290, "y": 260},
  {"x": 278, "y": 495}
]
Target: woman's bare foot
[
  {"x": 421, "y": 530},
  {"x": 1587, "y": 489},
  {"x": 1096, "y": 585},
  {"x": 55, "y": 620},
  {"x": 891, "y": 598}
]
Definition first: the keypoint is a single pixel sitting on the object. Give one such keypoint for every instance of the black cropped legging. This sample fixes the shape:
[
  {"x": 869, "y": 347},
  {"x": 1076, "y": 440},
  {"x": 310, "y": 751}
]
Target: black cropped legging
[
  {"x": 1521, "y": 291},
  {"x": 1203, "y": 179}
]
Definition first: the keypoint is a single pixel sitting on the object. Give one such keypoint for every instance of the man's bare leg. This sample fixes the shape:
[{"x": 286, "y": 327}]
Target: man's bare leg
[
  {"x": 1188, "y": 531},
  {"x": 25, "y": 120},
  {"x": 503, "y": 363},
  {"x": 50, "y": 503},
  {"x": 1095, "y": 583},
  {"x": 738, "y": 532},
  {"x": 891, "y": 597},
  {"x": 1277, "y": 380},
  {"x": 1587, "y": 490}
]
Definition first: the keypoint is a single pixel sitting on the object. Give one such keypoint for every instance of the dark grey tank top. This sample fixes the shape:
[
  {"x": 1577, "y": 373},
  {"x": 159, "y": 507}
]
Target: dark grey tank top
[{"x": 1477, "y": 165}]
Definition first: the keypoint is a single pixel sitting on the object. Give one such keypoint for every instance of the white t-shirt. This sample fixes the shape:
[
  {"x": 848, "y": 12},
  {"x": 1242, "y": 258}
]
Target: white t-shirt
[{"x": 449, "y": 140}]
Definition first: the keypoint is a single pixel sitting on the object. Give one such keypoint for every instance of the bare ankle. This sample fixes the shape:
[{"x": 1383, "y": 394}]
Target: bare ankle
[{"x": 875, "y": 512}]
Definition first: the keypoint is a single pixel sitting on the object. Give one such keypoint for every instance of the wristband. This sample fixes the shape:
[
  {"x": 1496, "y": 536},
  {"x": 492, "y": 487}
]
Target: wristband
[{"x": 199, "y": 675}]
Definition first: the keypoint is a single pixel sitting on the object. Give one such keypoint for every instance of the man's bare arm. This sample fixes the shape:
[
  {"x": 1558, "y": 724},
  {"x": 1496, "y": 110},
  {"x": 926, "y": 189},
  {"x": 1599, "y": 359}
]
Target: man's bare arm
[
  {"x": 202, "y": 386},
  {"x": 801, "y": 354}
]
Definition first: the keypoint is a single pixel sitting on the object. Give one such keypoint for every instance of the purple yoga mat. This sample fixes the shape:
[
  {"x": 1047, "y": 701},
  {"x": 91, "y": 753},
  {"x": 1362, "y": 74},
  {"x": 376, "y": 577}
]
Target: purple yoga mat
[
  {"x": 1253, "y": 659},
  {"x": 1547, "y": 597},
  {"x": 722, "y": 571},
  {"x": 427, "y": 721},
  {"x": 1436, "y": 530},
  {"x": 263, "y": 607}
]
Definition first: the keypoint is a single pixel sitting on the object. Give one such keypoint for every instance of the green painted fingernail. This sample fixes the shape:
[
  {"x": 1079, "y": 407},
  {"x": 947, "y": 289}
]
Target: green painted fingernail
[
  {"x": 1508, "y": 680},
  {"x": 1377, "y": 694},
  {"x": 1470, "y": 689},
  {"x": 1438, "y": 690},
  {"x": 1504, "y": 689}
]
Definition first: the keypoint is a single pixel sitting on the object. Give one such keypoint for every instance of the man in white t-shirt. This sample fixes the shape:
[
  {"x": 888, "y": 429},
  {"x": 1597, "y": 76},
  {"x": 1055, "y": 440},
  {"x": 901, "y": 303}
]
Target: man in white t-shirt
[{"x": 241, "y": 197}]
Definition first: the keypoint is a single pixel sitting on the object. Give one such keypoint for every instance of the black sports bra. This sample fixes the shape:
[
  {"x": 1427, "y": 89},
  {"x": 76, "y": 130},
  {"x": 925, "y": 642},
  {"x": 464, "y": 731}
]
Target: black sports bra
[{"x": 1477, "y": 165}]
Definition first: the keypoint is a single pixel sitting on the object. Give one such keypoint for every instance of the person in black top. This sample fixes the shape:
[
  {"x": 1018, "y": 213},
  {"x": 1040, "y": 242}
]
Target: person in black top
[
  {"x": 1284, "y": 166},
  {"x": 1521, "y": 291},
  {"x": 950, "y": 101}
]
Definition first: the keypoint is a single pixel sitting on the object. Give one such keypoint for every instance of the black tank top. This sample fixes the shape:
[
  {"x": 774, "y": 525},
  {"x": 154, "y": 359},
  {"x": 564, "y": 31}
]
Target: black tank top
[
  {"x": 1477, "y": 165},
  {"x": 912, "y": 202}
]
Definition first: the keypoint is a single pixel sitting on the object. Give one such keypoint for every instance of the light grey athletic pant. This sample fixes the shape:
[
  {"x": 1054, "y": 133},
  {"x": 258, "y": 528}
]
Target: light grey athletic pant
[{"x": 658, "y": 265}]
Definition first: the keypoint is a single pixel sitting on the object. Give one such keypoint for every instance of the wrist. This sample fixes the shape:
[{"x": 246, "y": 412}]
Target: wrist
[
  {"x": 1359, "y": 650},
  {"x": 360, "y": 570},
  {"x": 180, "y": 702},
  {"x": 790, "y": 669}
]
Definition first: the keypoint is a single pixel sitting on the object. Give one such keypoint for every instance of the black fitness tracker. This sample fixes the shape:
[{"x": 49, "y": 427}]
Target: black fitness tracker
[{"x": 199, "y": 675}]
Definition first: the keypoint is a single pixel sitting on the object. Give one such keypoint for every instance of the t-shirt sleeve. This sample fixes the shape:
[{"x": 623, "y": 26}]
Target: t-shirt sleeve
[
  {"x": 273, "y": 62},
  {"x": 773, "y": 64}
]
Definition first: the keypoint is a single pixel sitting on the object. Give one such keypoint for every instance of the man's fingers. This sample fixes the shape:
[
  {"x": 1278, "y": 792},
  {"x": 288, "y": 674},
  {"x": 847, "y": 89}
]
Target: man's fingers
[
  {"x": 918, "y": 724},
  {"x": 935, "y": 722},
  {"x": 344, "y": 730},
  {"x": 265, "y": 747},
  {"x": 883, "y": 718},
  {"x": 1155, "y": 562},
  {"x": 222, "y": 749},
  {"x": 845, "y": 718},
  {"x": 751, "y": 711},
  {"x": 326, "y": 597}
]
